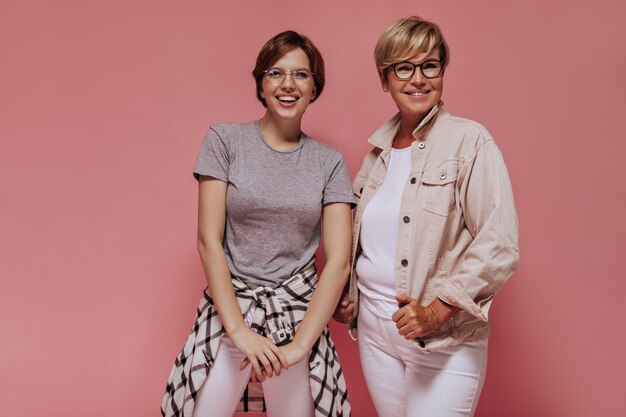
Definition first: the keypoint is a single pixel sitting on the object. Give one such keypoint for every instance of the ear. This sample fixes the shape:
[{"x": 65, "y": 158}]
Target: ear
[
  {"x": 383, "y": 81},
  {"x": 313, "y": 94}
]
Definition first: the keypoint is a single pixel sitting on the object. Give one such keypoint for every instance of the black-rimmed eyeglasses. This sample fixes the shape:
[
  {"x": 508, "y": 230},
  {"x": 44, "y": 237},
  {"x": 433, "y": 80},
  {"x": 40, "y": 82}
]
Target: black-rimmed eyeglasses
[{"x": 405, "y": 70}]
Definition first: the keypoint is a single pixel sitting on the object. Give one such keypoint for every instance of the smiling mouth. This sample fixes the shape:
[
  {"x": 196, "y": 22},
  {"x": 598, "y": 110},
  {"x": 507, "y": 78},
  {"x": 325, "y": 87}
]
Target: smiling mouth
[
  {"x": 287, "y": 99},
  {"x": 417, "y": 93}
]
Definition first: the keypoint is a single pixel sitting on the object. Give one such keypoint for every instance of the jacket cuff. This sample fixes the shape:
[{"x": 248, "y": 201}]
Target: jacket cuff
[{"x": 451, "y": 294}]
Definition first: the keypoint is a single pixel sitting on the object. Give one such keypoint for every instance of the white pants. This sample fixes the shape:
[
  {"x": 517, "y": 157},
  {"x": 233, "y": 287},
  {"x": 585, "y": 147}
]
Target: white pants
[
  {"x": 404, "y": 382},
  {"x": 286, "y": 395}
]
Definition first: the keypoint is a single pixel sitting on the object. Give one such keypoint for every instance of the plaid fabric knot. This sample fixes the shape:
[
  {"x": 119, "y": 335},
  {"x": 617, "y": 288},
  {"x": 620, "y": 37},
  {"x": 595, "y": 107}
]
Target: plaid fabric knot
[
  {"x": 275, "y": 313},
  {"x": 265, "y": 307}
]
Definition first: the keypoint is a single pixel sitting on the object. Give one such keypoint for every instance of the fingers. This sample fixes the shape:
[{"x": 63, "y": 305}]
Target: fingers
[
  {"x": 407, "y": 323},
  {"x": 408, "y": 329},
  {"x": 261, "y": 366},
  {"x": 257, "y": 369},
  {"x": 259, "y": 351},
  {"x": 345, "y": 309},
  {"x": 343, "y": 314},
  {"x": 411, "y": 335},
  {"x": 267, "y": 366},
  {"x": 269, "y": 362},
  {"x": 412, "y": 331},
  {"x": 412, "y": 320},
  {"x": 274, "y": 363},
  {"x": 404, "y": 320},
  {"x": 400, "y": 313},
  {"x": 403, "y": 300},
  {"x": 406, "y": 305},
  {"x": 281, "y": 358}
]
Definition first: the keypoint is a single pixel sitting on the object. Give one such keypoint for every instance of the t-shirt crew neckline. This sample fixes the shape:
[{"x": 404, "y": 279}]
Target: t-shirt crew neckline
[
  {"x": 401, "y": 150},
  {"x": 291, "y": 150}
]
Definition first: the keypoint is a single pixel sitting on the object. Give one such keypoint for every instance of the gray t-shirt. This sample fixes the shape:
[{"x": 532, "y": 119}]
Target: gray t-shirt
[{"x": 274, "y": 199}]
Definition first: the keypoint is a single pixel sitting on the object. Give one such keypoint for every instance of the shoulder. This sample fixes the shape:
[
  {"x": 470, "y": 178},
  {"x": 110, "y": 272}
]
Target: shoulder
[
  {"x": 230, "y": 131},
  {"x": 369, "y": 159},
  {"x": 327, "y": 154},
  {"x": 462, "y": 129},
  {"x": 319, "y": 146}
]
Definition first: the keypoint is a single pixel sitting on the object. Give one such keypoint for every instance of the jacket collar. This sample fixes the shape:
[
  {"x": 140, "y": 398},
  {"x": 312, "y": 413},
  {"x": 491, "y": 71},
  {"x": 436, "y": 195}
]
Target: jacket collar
[{"x": 383, "y": 137}]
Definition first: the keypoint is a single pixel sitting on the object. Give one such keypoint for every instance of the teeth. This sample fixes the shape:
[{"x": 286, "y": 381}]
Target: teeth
[
  {"x": 417, "y": 94},
  {"x": 287, "y": 98}
]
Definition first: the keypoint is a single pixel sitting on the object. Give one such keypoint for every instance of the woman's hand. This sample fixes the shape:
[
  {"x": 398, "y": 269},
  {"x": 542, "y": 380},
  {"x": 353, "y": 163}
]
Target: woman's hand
[
  {"x": 265, "y": 357},
  {"x": 413, "y": 320},
  {"x": 345, "y": 309},
  {"x": 291, "y": 352}
]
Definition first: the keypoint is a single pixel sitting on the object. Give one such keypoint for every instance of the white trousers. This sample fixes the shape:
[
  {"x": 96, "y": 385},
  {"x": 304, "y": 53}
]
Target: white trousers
[
  {"x": 286, "y": 395},
  {"x": 404, "y": 382}
]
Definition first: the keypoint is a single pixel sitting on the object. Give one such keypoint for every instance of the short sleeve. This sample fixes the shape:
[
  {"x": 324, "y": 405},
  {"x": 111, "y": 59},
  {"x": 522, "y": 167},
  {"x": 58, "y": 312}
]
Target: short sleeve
[
  {"x": 338, "y": 187},
  {"x": 214, "y": 157}
]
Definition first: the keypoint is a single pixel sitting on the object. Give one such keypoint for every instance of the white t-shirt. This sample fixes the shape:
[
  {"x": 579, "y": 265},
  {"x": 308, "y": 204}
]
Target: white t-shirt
[{"x": 379, "y": 233}]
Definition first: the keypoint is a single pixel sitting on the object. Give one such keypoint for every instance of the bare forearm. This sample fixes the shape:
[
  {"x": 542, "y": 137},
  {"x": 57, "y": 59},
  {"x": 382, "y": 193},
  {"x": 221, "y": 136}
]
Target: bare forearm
[
  {"x": 336, "y": 232},
  {"x": 323, "y": 304},
  {"x": 220, "y": 285}
]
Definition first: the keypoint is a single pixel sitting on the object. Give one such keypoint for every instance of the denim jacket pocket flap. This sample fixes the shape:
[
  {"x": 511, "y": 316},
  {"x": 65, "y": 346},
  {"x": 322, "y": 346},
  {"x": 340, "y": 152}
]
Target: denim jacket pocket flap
[
  {"x": 440, "y": 176},
  {"x": 439, "y": 185}
]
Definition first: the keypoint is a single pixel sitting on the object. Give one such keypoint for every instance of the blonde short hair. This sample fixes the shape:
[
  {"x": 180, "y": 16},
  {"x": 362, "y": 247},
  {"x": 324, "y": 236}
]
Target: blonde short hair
[{"x": 406, "y": 38}]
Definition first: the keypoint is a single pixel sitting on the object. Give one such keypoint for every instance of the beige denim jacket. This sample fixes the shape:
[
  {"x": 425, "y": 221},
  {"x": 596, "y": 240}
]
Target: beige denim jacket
[{"x": 458, "y": 233}]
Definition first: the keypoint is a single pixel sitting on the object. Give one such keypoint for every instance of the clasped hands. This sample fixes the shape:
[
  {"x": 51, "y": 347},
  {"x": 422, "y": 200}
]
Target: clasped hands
[{"x": 265, "y": 357}]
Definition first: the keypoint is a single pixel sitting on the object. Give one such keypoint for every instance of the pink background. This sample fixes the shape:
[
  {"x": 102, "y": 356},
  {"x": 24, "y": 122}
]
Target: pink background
[{"x": 103, "y": 106}]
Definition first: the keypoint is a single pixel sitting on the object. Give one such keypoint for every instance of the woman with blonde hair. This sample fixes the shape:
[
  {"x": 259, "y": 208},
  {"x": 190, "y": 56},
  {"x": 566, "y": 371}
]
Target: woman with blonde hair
[{"x": 435, "y": 237}]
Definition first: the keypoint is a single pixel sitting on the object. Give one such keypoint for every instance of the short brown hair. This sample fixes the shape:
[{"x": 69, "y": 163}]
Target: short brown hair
[
  {"x": 277, "y": 47},
  {"x": 406, "y": 38}
]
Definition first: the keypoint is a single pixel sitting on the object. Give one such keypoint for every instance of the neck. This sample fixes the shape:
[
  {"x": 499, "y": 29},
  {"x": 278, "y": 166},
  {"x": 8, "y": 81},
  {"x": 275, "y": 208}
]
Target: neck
[
  {"x": 280, "y": 133},
  {"x": 408, "y": 123}
]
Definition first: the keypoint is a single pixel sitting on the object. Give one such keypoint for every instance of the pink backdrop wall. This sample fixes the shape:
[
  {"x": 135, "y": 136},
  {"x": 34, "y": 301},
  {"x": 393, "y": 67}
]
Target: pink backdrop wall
[{"x": 103, "y": 105}]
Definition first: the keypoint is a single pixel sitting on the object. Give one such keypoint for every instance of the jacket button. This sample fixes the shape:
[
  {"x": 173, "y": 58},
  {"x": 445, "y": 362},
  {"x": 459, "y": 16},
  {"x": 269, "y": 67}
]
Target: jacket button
[
  {"x": 413, "y": 180},
  {"x": 421, "y": 145},
  {"x": 443, "y": 176},
  {"x": 406, "y": 219},
  {"x": 421, "y": 343},
  {"x": 361, "y": 190},
  {"x": 404, "y": 262}
]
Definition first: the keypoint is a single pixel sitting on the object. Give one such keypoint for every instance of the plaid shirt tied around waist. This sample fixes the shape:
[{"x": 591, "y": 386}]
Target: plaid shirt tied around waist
[{"x": 275, "y": 313}]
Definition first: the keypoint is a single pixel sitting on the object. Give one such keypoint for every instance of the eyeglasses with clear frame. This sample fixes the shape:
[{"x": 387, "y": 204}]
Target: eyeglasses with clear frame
[
  {"x": 429, "y": 69},
  {"x": 300, "y": 76}
]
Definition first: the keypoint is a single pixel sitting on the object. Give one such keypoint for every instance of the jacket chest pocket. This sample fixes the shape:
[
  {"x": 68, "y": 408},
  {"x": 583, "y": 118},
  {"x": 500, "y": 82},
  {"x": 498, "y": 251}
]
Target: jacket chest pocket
[{"x": 438, "y": 187}]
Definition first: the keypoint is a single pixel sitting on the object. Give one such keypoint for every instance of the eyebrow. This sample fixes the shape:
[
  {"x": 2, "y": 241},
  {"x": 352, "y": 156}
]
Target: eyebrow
[{"x": 282, "y": 68}]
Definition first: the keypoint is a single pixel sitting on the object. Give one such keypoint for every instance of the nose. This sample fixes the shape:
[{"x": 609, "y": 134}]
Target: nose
[
  {"x": 288, "y": 82},
  {"x": 418, "y": 77}
]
